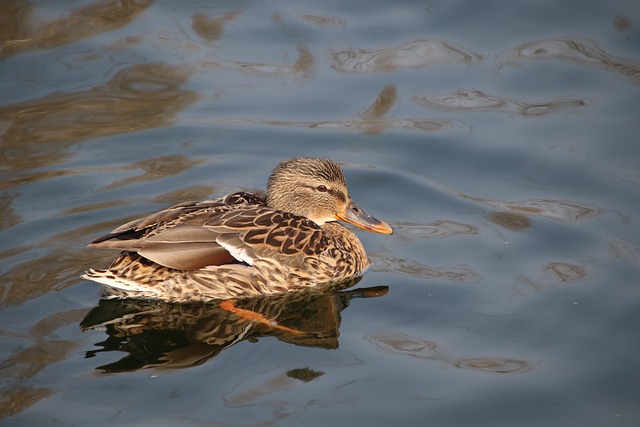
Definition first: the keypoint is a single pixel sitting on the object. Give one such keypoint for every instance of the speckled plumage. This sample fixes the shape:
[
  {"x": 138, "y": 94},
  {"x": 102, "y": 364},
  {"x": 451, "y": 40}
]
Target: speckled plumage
[{"x": 243, "y": 244}]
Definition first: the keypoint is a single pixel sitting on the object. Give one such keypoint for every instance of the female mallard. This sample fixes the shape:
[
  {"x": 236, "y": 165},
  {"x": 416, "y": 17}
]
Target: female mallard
[{"x": 243, "y": 244}]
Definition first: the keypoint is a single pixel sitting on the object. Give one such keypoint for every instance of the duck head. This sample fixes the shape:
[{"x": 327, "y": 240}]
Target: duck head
[{"x": 316, "y": 189}]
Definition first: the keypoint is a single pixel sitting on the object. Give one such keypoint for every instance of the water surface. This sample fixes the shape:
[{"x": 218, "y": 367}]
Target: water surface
[{"x": 499, "y": 139}]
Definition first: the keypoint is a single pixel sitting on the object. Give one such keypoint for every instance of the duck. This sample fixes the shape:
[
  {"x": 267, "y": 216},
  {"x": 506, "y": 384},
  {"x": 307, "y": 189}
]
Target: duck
[{"x": 244, "y": 244}]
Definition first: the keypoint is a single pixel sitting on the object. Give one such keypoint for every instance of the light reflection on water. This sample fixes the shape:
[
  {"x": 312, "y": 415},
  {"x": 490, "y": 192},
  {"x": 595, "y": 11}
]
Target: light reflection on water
[{"x": 509, "y": 173}]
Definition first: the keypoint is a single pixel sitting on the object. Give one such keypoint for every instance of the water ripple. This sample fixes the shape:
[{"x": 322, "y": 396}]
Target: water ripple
[
  {"x": 555, "y": 209},
  {"x": 396, "y": 343},
  {"x": 81, "y": 23},
  {"x": 436, "y": 230},
  {"x": 510, "y": 220},
  {"x": 391, "y": 342},
  {"x": 304, "y": 64},
  {"x": 565, "y": 272},
  {"x": 211, "y": 28},
  {"x": 415, "y": 268},
  {"x": 140, "y": 96},
  {"x": 365, "y": 126},
  {"x": 474, "y": 100},
  {"x": 625, "y": 251},
  {"x": 413, "y": 54},
  {"x": 495, "y": 365},
  {"x": 579, "y": 51},
  {"x": 319, "y": 19}
]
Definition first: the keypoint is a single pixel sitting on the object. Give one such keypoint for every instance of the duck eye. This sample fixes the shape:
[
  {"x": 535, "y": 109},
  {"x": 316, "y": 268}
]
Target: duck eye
[{"x": 321, "y": 188}]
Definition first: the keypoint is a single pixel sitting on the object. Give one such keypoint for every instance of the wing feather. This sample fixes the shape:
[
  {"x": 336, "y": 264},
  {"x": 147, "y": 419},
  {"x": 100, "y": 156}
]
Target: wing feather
[{"x": 193, "y": 235}]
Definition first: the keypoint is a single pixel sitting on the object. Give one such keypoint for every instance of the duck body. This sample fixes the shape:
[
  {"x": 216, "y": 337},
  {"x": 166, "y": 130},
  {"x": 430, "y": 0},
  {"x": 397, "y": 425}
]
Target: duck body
[{"x": 243, "y": 244}]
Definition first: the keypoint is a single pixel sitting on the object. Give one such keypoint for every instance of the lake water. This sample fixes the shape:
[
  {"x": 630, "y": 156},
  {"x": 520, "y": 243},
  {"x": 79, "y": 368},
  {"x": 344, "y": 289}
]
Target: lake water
[{"x": 500, "y": 139}]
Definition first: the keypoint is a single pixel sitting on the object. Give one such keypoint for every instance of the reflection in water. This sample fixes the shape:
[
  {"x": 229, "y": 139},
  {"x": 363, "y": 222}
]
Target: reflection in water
[
  {"x": 274, "y": 382},
  {"x": 415, "y": 268},
  {"x": 31, "y": 360},
  {"x": 409, "y": 55},
  {"x": 371, "y": 119},
  {"x": 392, "y": 342},
  {"x": 156, "y": 169},
  {"x": 138, "y": 97},
  {"x": 169, "y": 335},
  {"x": 436, "y": 230},
  {"x": 494, "y": 365},
  {"x": 396, "y": 343},
  {"x": 37, "y": 276},
  {"x": 382, "y": 104},
  {"x": 211, "y": 28},
  {"x": 9, "y": 216},
  {"x": 565, "y": 272},
  {"x": 582, "y": 52},
  {"x": 622, "y": 23},
  {"x": 366, "y": 126},
  {"x": 15, "y": 398},
  {"x": 554, "y": 209},
  {"x": 304, "y": 65},
  {"x": 625, "y": 251},
  {"x": 510, "y": 220},
  {"x": 23, "y": 34},
  {"x": 318, "y": 19},
  {"x": 553, "y": 274},
  {"x": 474, "y": 100}
]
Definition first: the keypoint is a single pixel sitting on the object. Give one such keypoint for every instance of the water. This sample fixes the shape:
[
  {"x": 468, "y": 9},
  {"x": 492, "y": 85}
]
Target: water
[{"x": 499, "y": 139}]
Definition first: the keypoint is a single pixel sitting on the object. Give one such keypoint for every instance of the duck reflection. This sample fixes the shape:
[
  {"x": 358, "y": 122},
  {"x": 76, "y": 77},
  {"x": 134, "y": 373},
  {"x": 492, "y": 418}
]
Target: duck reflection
[{"x": 172, "y": 335}]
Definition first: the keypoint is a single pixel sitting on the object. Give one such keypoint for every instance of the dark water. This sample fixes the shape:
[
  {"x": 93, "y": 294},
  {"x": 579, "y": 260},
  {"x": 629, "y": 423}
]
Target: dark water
[{"x": 500, "y": 139}]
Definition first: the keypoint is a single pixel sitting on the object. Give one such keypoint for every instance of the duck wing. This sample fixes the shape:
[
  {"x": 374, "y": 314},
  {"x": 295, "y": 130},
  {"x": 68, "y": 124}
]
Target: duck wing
[
  {"x": 182, "y": 213},
  {"x": 195, "y": 235},
  {"x": 262, "y": 232}
]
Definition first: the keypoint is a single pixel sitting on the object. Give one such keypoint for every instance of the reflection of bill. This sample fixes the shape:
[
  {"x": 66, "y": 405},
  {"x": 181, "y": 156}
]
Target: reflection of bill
[{"x": 164, "y": 335}]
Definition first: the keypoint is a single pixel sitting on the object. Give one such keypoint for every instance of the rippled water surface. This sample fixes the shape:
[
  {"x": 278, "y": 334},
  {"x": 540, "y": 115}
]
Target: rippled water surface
[{"x": 499, "y": 139}]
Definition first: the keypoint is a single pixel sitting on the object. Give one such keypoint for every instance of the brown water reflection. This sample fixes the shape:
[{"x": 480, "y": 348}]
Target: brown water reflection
[
  {"x": 249, "y": 393},
  {"x": 50, "y": 264},
  {"x": 320, "y": 19},
  {"x": 510, "y": 220},
  {"x": 9, "y": 217},
  {"x": 138, "y": 97},
  {"x": 21, "y": 33},
  {"x": 169, "y": 336},
  {"x": 475, "y": 100},
  {"x": 413, "y": 54},
  {"x": 396, "y": 343},
  {"x": 155, "y": 169},
  {"x": 50, "y": 272},
  {"x": 579, "y": 51},
  {"x": 371, "y": 119},
  {"x": 565, "y": 272},
  {"x": 304, "y": 65},
  {"x": 29, "y": 361},
  {"x": 552, "y": 275},
  {"x": 211, "y": 28}
]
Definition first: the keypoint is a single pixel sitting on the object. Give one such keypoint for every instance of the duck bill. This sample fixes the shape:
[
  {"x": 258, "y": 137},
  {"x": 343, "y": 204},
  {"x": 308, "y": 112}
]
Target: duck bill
[{"x": 353, "y": 214}]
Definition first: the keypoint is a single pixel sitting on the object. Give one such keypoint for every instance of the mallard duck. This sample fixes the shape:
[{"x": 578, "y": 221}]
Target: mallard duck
[{"x": 243, "y": 244}]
